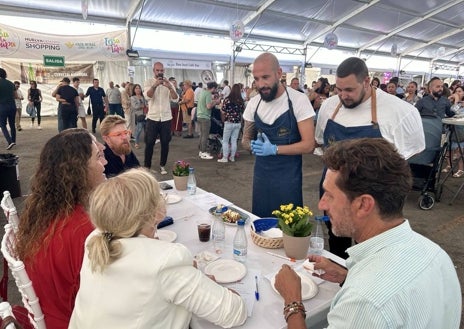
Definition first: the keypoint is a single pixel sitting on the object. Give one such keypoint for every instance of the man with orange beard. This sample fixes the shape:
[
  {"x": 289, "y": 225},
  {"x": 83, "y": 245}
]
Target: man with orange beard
[{"x": 118, "y": 151}]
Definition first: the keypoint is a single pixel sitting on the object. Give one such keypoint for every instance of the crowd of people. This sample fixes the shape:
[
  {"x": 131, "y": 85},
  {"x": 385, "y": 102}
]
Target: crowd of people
[{"x": 90, "y": 218}]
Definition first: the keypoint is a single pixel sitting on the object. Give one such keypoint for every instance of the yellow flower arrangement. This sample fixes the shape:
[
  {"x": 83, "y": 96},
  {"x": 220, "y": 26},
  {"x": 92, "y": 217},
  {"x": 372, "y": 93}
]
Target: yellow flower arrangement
[{"x": 294, "y": 221}]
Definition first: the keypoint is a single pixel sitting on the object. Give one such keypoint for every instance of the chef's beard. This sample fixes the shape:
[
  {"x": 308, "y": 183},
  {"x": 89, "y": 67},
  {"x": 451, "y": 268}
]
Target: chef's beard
[{"x": 272, "y": 94}]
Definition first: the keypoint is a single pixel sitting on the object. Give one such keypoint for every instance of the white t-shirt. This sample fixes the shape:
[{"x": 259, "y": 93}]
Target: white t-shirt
[
  {"x": 197, "y": 93},
  {"x": 399, "y": 122},
  {"x": 225, "y": 91},
  {"x": 269, "y": 111}
]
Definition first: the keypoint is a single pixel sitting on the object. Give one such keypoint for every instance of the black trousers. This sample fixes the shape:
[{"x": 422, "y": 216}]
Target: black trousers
[
  {"x": 98, "y": 113},
  {"x": 68, "y": 116},
  {"x": 153, "y": 130}
]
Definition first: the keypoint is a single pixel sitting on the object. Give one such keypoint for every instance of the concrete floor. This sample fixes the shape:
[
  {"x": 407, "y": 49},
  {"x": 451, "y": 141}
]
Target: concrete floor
[{"x": 443, "y": 224}]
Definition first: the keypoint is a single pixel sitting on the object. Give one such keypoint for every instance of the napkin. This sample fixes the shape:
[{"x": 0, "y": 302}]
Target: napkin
[
  {"x": 272, "y": 233},
  {"x": 309, "y": 267}
]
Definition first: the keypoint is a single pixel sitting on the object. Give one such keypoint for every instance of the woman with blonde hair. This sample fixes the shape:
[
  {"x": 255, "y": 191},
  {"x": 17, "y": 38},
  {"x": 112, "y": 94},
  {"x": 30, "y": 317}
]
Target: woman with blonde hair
[
  {"x": 55, "y": 224},
  {"x": 129, "y": 279}
]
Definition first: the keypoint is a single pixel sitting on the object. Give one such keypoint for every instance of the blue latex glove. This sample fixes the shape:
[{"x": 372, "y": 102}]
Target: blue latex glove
[{"x": 264, "y": 147}]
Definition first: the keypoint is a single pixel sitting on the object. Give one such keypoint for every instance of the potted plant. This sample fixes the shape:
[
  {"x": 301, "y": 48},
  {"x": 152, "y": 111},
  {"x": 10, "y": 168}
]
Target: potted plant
[
  {"x": 180, "y": 172},
  {"x": 296, "y": 227}
]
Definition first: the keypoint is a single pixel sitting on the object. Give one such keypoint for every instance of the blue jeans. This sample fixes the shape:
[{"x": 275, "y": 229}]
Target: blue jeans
[
  {"x": 116, "y": 109},
  {"x": 138, "y": 130},
  {"x": 8, "y": 113},
  {"x": 230, "y": 135}
]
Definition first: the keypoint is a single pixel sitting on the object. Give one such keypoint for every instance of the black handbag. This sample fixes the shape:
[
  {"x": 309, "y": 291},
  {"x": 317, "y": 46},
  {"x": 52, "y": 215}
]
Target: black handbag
[
  {"x": 189, "y": 110},
  {"x": 89, "y": 110}
]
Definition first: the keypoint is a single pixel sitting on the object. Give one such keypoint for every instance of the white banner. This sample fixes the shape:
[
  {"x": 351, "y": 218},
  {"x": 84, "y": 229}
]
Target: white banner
[
  {"x": 184, "y": 64},
  {"x": 23, "y": 44}
]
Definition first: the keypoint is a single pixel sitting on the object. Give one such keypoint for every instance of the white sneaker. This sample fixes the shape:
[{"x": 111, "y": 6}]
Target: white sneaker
[
  {"x": 223, "y": 160},
  {"x": 163, "y": 171},
  {"x": 31, "y": 125},
  {"x": 39, "y": 127},
  {"x": 200, "y": 153},
  {"x": 232, "y": 159},
  {"x": 206, "y": 156}
]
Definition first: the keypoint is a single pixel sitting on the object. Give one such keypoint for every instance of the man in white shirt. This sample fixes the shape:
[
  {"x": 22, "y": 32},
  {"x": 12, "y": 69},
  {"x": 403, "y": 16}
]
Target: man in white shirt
[
  {"x": 395, "y": 277},
  {"x": 197, "y": 92},
  {"x": 225, "y": 89},
  {"x": 159, "y": 92}
]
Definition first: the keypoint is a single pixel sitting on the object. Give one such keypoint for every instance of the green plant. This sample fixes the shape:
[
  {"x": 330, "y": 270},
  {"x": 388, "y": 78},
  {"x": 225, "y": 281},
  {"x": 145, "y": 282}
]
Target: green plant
[
  {"x": 181, "y": 168},
  {"x": 294, "y": 221}
]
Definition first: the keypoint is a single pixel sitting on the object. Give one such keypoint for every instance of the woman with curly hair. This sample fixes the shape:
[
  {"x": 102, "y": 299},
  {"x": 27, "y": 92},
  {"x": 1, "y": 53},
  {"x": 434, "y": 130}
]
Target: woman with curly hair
[
  {"x": 129, "y": 279},
  {"x": 54, "y": 224}
]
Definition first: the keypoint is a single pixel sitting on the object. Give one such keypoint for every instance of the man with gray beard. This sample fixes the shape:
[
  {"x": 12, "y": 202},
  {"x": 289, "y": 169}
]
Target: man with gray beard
[{"x": 117, "y": 151}]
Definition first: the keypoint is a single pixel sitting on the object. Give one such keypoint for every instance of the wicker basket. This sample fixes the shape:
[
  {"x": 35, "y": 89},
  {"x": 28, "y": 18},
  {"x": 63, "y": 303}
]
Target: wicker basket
[{"x": 264, "y": 224}]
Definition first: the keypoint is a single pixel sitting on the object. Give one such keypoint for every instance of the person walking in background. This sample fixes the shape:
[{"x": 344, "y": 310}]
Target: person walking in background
[
  {"x": 126, "y": 93},
  {"x": 68, "y": 98},
  {"x": 114, "y": 100},
  {"x": 187, "y": 104},
  {"x": 19, "y": 105},
  {"x": 34, "y": 96},
  {"x": 206, "y": 103},
  {"x": 81, "y": 110},
  {"x": 7, "y": 109},
  {"x": 138, "y": 104},
  {"x": 279, "y": 128},
  {"x": 99, "y": 102},
  {"x": 159, "y": 92},
  {"x": 232, "y": 110},
  {"x": 54, "y": 223}
]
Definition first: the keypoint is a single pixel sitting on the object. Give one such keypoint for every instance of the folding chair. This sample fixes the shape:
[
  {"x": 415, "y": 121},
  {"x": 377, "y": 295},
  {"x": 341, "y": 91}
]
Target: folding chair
[{"x": 24, "y": 284}]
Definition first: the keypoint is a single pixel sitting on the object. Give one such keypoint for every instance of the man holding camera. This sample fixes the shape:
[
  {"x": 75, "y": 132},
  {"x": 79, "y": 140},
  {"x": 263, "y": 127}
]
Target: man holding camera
[{"x": 159, "y": 92}]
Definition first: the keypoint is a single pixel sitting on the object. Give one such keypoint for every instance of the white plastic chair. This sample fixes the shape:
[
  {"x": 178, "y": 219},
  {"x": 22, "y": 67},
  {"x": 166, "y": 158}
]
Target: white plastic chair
[
  {"x": 24, "y": 284},
  {"x": 5, "y": 312},
  {"x": 10, "y": 211}
]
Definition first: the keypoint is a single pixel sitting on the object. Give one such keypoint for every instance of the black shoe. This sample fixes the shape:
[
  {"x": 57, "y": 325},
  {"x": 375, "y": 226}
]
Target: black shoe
[
  {"x": 93, "y": 131},
  {"x": 188, "y": 136},
  {"x": 10, "y": 146}
]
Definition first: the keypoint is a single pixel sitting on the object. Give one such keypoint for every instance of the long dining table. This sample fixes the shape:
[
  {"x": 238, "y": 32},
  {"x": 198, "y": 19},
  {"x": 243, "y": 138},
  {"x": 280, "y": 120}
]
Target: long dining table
[{"x": 267, "y": 312}]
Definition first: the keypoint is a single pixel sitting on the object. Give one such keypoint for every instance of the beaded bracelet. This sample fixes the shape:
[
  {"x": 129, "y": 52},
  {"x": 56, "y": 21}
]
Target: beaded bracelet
[{"x": 294, "y": 308}]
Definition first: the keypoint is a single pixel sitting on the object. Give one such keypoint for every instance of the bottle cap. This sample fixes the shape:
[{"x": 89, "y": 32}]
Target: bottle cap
[{"x": 241, "y": 222}]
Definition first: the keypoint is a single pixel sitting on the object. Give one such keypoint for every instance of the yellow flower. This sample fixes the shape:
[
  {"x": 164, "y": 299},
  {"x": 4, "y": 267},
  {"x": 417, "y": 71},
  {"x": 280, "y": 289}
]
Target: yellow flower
[
  {"x": 286, "y": 222},
  {"x": 282, "y": 208}
]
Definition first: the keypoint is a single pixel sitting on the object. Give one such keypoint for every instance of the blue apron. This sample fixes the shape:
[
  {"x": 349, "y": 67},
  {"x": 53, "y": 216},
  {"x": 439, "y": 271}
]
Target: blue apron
[
  {"x": 277, "y": 179},
  {"x": 336, "y": 132}
]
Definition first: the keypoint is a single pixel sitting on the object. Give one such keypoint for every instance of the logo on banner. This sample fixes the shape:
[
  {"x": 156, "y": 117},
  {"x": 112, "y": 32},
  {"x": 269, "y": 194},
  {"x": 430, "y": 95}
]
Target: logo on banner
[
  {"x": 112, "y": 47},
  {"x": 81, "y": 45},
  {"x": 9, "y": 42}
]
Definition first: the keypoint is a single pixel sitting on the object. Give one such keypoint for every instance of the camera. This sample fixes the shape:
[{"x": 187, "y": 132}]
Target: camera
[{"x": 160, "y": 76}]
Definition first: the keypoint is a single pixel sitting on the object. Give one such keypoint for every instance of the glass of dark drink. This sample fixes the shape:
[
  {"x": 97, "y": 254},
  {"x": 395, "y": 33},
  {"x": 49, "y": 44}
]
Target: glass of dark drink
[{"x": 204, "y": 231}]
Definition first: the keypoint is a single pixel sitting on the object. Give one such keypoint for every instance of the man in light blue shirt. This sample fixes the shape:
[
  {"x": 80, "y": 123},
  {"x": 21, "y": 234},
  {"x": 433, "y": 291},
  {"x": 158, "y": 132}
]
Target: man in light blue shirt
[{"x": 395, "y": 277}]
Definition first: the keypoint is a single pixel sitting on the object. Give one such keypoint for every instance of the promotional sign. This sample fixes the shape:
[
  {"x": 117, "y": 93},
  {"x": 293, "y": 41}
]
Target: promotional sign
[
  {"x": 53, "y": 60},
  {"x": 185, "y": 64},
  {"x": 22, "y": 44}
]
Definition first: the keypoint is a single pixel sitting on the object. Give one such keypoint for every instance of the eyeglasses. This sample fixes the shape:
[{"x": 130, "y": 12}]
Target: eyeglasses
[{"x": 122, "y": 133}]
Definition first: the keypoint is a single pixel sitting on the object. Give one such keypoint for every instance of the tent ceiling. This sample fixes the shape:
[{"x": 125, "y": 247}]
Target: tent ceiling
[{"x": 417, "y": 27}]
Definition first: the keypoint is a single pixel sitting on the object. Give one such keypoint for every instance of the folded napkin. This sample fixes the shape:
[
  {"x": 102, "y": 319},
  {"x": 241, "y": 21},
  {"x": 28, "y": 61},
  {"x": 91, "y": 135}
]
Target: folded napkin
[
  {"x": 165, "y": 222},
  {"x": 272, "y": 233}
]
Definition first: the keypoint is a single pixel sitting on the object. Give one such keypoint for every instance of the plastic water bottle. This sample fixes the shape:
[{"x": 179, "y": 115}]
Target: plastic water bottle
[
  {"x": 317, "y": 236},
  {"x": 191, "y": 182},
  {"x": 240, "y": 242},
  {"x": 219, "y": 234}
]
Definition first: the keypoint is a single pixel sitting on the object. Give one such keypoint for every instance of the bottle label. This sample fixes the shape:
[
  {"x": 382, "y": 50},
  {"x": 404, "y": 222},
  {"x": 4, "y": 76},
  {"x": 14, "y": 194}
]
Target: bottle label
[{"x": 240, "y": 252}]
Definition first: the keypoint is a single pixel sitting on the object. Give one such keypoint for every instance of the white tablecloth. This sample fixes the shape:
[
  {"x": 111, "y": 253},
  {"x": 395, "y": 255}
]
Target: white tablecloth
[{"x": 267, "y": 312}]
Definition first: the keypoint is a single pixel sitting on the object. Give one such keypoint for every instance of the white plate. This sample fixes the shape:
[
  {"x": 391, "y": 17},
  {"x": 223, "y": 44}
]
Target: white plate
[
  {"x": 173, "y": 198},
  {"x": 166, "y": 235},
  {"x": 226, "y": 270},
  {"x": 309, "y": 288}
]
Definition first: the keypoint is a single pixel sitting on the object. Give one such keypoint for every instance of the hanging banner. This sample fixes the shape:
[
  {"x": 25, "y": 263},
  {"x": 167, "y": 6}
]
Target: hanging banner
[
  {"x": 26, "y": 72},
  {"x": 185, "y": 64},
  {"x": 22, "y": 44}
]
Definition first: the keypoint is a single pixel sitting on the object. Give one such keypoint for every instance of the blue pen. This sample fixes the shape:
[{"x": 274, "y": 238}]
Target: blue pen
[{"x": 257, "y": 290}]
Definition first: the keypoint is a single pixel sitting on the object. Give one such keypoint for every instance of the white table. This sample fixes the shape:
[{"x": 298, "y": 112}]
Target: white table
[
  {"x": 452, "y": 123},
  {"x": 267, "y": 312}
]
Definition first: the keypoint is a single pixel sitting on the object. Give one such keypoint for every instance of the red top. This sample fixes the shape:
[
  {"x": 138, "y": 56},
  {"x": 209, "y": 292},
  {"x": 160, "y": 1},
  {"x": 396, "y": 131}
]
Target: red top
[{"x": 55, "y": 272}]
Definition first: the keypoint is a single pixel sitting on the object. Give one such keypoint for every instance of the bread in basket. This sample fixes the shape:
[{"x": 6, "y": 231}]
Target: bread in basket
[{"x": 264, "y": 224}]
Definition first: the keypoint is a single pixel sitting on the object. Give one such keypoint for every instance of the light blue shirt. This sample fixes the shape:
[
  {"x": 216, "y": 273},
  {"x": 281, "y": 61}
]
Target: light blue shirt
[{"x": 398, "y": 279}]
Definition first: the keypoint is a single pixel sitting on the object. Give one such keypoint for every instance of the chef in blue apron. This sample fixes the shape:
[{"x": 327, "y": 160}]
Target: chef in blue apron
[
  {"x": 334, "y": 132},
  {"x": 278, "y": 143}
]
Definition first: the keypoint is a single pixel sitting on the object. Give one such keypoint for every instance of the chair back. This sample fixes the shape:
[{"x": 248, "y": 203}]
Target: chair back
[
  {"x": 24, "y": 284},
  {"x": 10, "y": 211}
]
